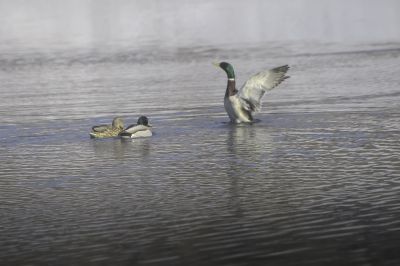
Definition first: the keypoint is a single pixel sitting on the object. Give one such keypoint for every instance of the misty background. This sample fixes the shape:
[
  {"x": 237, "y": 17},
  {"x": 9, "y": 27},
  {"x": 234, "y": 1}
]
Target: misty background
[{"x": 43, "y": 24}]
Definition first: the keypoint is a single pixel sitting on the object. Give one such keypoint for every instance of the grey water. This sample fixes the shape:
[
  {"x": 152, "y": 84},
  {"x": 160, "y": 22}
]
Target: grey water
[{"x": 315, "y": 181}]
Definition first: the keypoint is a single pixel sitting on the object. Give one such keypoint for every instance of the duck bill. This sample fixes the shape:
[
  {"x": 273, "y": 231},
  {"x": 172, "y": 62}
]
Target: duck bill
[{"x": 216, "y": 64}]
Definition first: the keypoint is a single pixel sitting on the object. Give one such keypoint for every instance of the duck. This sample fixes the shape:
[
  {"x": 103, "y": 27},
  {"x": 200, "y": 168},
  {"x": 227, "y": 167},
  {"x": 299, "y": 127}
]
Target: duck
[
  {"x": 139, "y": 130},
  {"x": 241, "y": 104},
  {"x": 108, "y": 131}
]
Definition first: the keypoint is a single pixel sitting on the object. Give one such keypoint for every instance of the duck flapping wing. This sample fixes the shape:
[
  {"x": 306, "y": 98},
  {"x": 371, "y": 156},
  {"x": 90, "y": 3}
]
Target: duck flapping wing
[{"x": 255, "y": 87}]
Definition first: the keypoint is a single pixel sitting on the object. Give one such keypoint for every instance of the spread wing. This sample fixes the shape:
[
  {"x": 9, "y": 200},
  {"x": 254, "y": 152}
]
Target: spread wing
[
  {"x": 100, "y": 128},
  {"x": 253, "y": 90}
]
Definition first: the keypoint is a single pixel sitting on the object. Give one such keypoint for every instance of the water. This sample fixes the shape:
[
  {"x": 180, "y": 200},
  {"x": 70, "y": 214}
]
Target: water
[{"x": 315, "y": 181}]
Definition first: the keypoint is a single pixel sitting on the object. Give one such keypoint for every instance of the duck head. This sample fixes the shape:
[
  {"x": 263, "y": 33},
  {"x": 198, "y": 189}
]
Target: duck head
[
  {"x": 118, "y": 122},
  {"x": 143, "y": 121},
  {"x": 228, "y": 68}
]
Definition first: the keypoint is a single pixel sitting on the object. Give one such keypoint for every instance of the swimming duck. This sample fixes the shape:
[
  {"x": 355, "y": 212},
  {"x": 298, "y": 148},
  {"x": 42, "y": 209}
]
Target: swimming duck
[
  {"x": 141, "y": 129},
  {"x": 107, "y": 131},
  {"x": 242, "y": 104}
]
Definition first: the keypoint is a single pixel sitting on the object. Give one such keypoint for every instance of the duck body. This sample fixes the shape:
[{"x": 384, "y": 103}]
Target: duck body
[
  {"x": 240, "y": 105},
  {"x": 136, "y": 131},
  {"x": 140, "y": 130},
  {"x": 108, "y": 131},
  {"x": 233, "y": 105},
  {"x": 235, "y": 111}
]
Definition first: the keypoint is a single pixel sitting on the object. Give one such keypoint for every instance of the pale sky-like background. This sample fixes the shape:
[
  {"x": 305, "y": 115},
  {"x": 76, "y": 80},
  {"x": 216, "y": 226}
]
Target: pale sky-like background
[{"x": 58, "y": 24}]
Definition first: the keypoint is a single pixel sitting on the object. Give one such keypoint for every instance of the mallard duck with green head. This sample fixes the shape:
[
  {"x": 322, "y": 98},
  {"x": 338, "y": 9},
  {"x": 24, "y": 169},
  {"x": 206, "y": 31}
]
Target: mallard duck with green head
[
  {"x": 139, "y": 130},
  {"x": 108, "y": 131},
  {"x": 242, "y": 104}
]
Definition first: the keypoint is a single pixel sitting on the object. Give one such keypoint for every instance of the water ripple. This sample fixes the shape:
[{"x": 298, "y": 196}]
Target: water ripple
[{"x": 314, "y": 181}]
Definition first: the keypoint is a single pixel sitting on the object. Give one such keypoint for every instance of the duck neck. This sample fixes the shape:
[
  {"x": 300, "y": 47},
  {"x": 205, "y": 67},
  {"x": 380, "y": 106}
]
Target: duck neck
[{"x": 231, "y": 87}]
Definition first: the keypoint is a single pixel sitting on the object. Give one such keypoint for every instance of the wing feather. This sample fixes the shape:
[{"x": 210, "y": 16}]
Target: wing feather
[
  {"x": 135, "y": 128},
  {"x": 254, "y": 88},
  {"x": 101, "y": 128}
]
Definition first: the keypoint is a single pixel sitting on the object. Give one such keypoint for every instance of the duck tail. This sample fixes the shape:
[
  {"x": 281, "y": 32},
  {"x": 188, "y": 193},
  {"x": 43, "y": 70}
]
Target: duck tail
[{"x": 125, "y": 135}]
